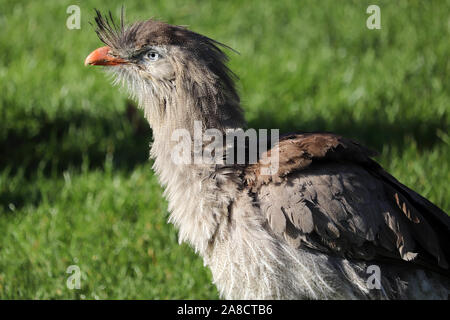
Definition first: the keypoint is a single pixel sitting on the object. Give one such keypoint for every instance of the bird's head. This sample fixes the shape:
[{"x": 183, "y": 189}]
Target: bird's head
[{"x": 161, "y": 64}]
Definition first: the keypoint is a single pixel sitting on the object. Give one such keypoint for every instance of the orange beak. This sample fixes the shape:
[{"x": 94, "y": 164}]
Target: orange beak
[{"x": 102, "y": 57}]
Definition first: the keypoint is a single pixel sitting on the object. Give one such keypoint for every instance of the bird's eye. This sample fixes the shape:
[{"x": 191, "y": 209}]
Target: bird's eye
[{"x": 153, "y": 55}]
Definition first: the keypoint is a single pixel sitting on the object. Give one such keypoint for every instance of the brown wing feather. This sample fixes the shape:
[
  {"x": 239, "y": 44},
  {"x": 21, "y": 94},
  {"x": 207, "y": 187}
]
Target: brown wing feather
[{"x": 330, "y": 196}]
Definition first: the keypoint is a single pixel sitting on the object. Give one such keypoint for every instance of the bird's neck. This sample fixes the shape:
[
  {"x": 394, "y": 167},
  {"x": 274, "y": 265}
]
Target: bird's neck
[{"x": 197, "y": 198}]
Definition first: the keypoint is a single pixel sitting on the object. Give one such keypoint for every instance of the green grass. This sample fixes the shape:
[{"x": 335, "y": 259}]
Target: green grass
[
  {"x": 75, "y": 185},
  {"x": 112, "y": 225}
]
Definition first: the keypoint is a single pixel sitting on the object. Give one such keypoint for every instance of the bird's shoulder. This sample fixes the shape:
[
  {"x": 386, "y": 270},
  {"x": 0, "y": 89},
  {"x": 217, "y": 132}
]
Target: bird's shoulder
[{"x": 297, "y": 151}]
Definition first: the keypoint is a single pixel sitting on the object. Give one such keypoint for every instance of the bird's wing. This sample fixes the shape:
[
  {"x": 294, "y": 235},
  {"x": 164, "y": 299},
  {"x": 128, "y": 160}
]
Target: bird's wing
[{"x": 329, "y": 195}]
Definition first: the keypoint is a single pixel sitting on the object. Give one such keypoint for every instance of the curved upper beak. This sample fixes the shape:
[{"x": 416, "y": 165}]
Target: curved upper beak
[{"x": 102, "y": 57}]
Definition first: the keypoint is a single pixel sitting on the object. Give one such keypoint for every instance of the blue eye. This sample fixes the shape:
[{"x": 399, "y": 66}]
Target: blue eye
[{"x": 153, "y": 55}]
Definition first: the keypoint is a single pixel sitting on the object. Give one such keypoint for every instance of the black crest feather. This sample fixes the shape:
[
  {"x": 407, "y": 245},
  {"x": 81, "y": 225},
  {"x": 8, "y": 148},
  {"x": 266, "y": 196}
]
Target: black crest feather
[{"x": 108, "y": 31}]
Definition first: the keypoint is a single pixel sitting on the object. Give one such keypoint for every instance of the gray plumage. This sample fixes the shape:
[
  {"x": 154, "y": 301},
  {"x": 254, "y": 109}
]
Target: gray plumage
[{"x": 309, "y": 231}]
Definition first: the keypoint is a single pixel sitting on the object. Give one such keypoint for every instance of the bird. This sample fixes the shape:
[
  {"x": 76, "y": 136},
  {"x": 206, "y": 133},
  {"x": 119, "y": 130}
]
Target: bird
[{"x": 327, "y": 223}]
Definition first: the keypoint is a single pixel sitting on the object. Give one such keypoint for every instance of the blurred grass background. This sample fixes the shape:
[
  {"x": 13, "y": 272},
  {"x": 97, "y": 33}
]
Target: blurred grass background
[{"x": 75, "y": 183}]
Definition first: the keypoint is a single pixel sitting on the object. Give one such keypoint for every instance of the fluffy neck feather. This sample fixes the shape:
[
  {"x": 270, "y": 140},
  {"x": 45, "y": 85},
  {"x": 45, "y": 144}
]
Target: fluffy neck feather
[{"x": 197, "y": 202}]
